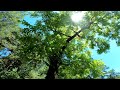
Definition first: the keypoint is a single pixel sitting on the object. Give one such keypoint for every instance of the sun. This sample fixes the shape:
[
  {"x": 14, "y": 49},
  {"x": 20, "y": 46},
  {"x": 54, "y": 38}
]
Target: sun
[{"x": 78, "y": 16}]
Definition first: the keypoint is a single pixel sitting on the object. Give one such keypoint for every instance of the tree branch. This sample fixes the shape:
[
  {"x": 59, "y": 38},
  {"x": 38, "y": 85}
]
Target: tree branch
[
  {"x": 77, "y": 33},
  {"x": 2, "y": 45},
  {"x": 70, "y": 38},
  {"x": 47, "y": 63}
]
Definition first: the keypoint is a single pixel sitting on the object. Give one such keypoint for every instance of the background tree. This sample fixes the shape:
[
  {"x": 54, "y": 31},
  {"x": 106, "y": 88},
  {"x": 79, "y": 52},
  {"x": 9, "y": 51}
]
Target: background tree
[{"x": 9, "y": 28}]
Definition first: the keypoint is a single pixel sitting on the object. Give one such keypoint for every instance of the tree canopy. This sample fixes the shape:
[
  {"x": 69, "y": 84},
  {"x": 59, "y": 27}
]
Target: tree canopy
[{"x": 55, "y": 47}]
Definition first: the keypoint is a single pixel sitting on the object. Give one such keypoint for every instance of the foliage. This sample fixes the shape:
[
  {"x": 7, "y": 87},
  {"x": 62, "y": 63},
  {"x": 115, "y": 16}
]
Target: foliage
[
  {"x": 36, "y": 44},
  {"x": 9, "y": 27}
]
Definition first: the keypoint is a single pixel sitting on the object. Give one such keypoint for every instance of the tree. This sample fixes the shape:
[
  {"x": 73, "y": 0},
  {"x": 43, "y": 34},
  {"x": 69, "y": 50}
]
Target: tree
[
  {"x": 64, "y": 47},
  {"x": 56, "y": 47},
  {"x": 9, "y": 28},
  {"x": 112, "y": 74}
]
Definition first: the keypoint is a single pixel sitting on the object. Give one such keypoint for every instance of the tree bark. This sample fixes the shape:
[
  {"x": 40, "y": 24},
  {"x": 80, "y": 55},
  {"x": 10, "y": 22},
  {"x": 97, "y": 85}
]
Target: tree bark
[{"x": 53, "y": 67}]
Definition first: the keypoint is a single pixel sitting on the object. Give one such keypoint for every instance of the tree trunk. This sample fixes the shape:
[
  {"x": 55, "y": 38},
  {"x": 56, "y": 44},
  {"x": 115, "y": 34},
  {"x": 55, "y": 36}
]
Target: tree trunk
[
  {"x": 53, "y": 67},
  {"x": 51, "y": 73}
]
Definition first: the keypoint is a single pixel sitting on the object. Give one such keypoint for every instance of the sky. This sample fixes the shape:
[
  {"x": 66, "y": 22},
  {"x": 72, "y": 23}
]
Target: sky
[
  {"x": 111, "y": 59},
  {"x": 5, "y": 52}
]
